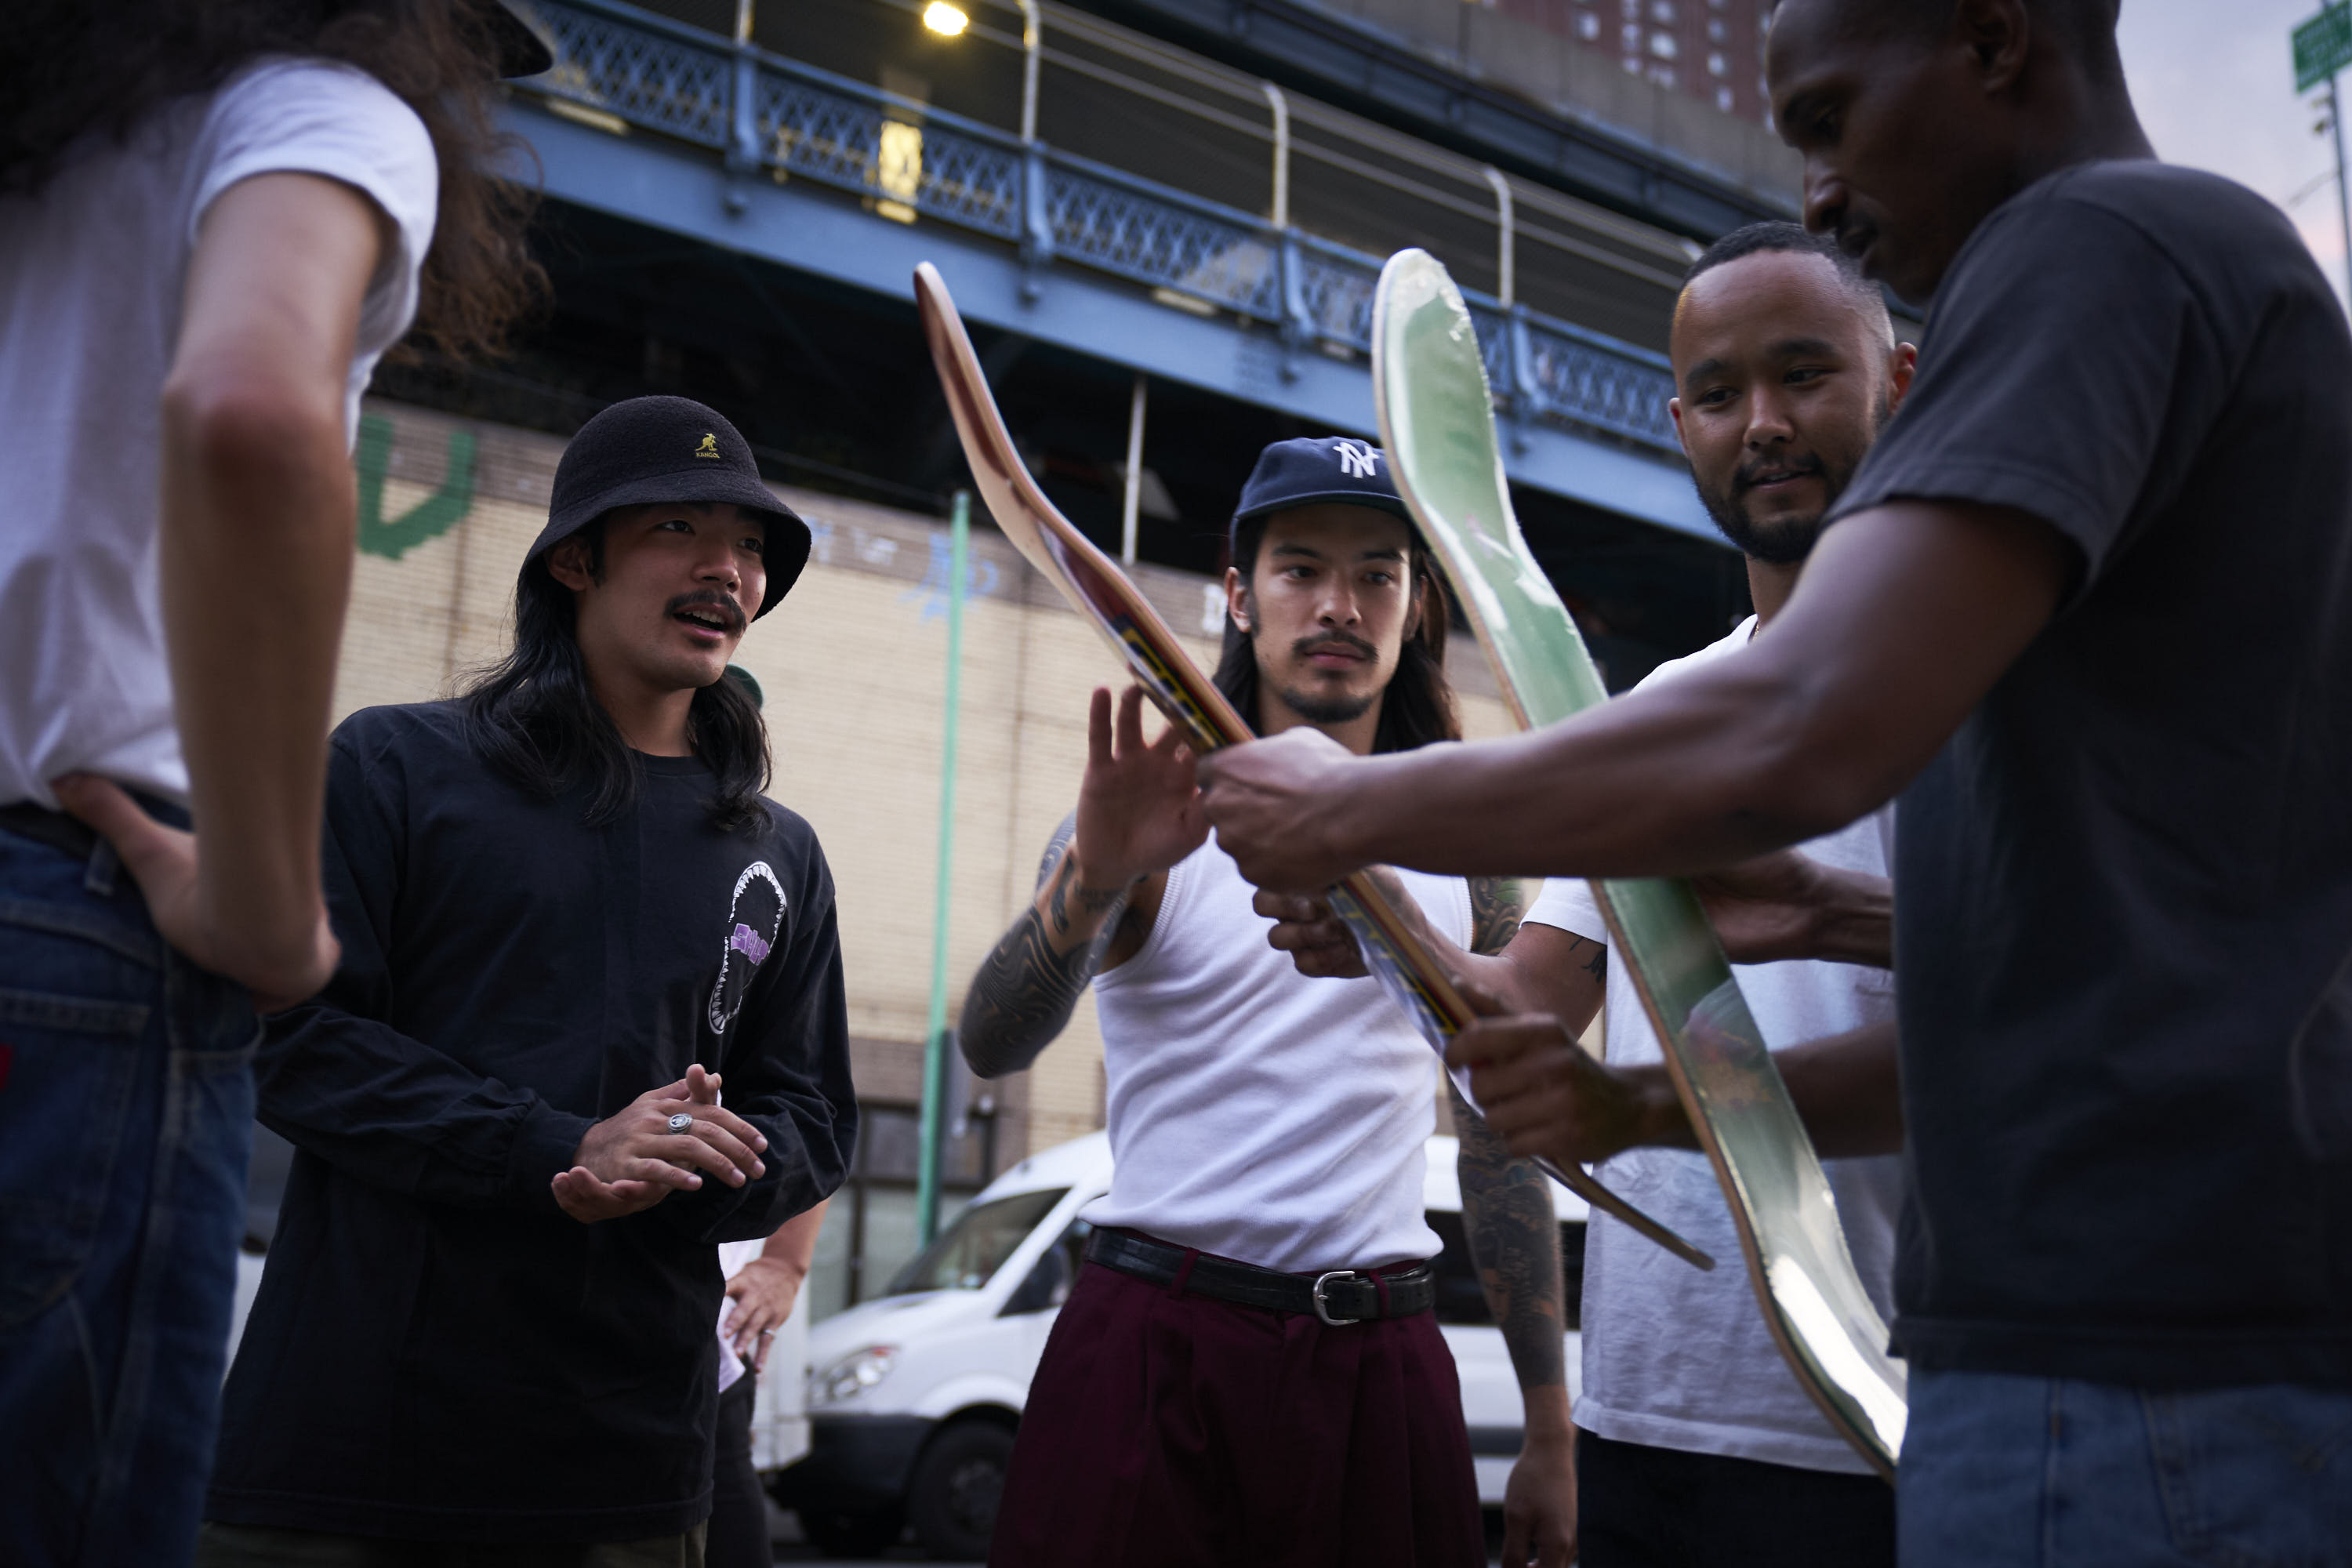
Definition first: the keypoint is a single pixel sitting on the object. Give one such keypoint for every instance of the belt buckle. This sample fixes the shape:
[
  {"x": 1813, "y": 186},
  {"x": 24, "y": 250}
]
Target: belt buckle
[{"x": 1323, "y": 1307}]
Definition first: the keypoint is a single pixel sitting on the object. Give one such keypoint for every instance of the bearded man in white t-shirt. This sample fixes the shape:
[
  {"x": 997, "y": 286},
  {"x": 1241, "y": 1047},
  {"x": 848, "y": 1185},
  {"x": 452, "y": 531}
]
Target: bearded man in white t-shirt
[
  {"x": 1695, "y": 1447},
  {"x": 1247, "y": 1369},
  {"x": 213, "y": 220}
]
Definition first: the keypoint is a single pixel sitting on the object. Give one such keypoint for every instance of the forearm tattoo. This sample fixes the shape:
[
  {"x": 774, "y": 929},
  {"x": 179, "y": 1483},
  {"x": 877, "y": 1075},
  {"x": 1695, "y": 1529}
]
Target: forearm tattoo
[
  {"x": 1507, "y": 1210},
  {"x": 1506, "y": 1214},
  {"x": 1028, "y": 986},
  {"x": 1498, "y": 905}
]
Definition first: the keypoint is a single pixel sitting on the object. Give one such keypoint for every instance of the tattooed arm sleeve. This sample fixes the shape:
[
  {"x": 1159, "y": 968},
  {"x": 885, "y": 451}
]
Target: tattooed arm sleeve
[
  {"x": 1507, "y": 1204},
  {"x": 1030, "y": 982}
]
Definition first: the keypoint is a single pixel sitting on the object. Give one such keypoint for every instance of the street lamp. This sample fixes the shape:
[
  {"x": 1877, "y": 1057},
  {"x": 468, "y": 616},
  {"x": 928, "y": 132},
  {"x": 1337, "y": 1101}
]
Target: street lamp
[{"x": 944, "y": 19}]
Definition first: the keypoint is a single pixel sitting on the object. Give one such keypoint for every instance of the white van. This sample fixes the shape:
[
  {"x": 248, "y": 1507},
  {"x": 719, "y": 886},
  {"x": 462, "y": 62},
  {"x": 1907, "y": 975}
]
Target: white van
[{"x": 913, "y": 1396}]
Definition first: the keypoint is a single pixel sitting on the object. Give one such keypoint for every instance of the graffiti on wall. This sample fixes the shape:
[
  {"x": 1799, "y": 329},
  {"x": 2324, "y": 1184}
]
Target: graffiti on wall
[{"x": 434, "y": 516}]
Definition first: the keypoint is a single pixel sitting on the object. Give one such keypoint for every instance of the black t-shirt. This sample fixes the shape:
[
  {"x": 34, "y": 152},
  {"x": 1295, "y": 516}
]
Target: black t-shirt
[
  {"x": 2124, "y": 889},
  {"x": 437, "y": 1352}
]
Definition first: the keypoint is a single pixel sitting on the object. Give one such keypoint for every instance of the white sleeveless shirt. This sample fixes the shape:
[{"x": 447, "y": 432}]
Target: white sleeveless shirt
[{"x": 1254, "y": 1113}]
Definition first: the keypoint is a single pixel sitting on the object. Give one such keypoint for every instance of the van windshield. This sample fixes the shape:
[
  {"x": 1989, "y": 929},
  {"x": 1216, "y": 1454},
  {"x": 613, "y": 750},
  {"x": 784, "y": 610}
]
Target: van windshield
[{"x": 976, "y": 1245}]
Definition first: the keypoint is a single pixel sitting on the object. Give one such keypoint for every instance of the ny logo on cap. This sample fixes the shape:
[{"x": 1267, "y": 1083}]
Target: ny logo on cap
[
  {"x": 709, "y": 448},
  {"x": 1357, "y": 462}
]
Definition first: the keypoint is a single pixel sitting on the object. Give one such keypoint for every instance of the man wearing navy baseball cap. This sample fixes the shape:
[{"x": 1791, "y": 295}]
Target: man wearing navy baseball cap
[
  {"x": 1248, "y": 1368},
  {"x": 567, "y": 914}
]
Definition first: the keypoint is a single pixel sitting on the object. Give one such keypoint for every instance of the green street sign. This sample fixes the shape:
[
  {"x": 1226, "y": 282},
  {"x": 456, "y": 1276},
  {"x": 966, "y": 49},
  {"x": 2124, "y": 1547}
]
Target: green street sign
[{"x": 2323, "y": 46}]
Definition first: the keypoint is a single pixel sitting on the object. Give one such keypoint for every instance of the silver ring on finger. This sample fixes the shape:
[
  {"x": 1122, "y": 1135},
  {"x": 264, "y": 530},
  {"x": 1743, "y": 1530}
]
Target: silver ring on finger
[{"x": 681, "y": 1122}]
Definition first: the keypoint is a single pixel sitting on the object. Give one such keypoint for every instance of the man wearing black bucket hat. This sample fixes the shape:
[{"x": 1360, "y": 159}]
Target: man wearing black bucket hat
[
  {"x": 567, "y": 915},
  {"x": 1248, "y": 1368}
]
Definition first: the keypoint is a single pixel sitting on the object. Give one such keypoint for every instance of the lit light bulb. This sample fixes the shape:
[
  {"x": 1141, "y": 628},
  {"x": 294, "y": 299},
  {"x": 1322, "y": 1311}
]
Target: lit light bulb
[{"x": 945, "y": 19}]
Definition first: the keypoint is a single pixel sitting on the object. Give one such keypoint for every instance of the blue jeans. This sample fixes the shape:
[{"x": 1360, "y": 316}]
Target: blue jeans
[
  {"x": 2000, "y": 1470},
  {"x": 126, "y": 1117}
]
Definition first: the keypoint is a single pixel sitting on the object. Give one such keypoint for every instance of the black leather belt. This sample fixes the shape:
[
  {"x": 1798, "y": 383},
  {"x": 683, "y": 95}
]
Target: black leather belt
[
  {"x": 67, "y": 834},
  {"x": 1340, "y": 1297}
]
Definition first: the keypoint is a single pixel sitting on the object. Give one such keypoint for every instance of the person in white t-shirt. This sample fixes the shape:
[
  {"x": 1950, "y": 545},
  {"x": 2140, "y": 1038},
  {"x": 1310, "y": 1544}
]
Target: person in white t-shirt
[
  {"x": 213, "y": 220},
  {"x": 1247, "y": 1368},
  {"x": 1697, "y": 1448}
]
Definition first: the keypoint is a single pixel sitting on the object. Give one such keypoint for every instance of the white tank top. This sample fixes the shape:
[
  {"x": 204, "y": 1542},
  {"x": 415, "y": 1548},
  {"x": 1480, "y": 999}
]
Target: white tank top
[{"x": 1254, "y": 1113}]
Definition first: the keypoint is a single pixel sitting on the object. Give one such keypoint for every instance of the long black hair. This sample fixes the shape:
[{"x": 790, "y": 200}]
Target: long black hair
[
  {"x": 533, "y": 717},
  {"x": 1417, "y": 709}
]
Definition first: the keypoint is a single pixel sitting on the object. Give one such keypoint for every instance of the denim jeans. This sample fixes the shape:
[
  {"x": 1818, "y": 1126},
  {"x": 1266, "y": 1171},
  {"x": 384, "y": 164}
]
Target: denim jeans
[
  {"x": 2000, "y": 1470},
  {"x": 126, "y": 1115}
]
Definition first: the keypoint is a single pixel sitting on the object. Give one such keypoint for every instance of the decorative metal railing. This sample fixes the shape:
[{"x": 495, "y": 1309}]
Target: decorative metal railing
[{"x": 761, "y": 111}]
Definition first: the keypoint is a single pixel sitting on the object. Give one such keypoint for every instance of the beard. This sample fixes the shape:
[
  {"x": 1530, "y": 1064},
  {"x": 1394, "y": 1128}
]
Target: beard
[
  {"x": 1326, "y": 708},
  {"x": 1785, "y": 542},
  {"x": 1341, "y": 708}
]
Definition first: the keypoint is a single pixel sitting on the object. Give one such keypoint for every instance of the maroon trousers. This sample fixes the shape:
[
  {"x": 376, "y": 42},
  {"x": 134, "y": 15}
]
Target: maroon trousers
[{"x": 1167, "y": 1430}]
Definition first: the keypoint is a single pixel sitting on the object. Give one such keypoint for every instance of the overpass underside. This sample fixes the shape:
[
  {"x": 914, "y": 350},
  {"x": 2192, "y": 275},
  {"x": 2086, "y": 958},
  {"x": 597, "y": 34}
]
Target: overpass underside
[{"x": 738, "y": 222}]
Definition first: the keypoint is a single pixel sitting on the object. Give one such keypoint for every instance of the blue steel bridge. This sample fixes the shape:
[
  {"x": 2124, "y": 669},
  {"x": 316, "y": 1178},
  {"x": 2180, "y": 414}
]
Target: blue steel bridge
[{"x": 1169, "y": 217}]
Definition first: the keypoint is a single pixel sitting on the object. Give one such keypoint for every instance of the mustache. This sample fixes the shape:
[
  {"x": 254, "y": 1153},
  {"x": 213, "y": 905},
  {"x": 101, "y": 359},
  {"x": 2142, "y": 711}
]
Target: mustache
[
  {"x": 711, "y": 599},
  {"x": 1306, "y": 647}
]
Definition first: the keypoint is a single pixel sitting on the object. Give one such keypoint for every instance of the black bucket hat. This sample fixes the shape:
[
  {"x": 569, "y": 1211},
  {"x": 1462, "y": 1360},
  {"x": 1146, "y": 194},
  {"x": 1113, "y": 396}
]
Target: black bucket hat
[
  {"x": 1314, "y": 468},
  {"x": 668, "y": 449}
]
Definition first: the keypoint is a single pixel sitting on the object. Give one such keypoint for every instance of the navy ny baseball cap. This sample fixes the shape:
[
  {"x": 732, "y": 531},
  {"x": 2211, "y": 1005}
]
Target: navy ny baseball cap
[
  {"x": 653, "y": 449},
  {"x": 1314, "y": 468}
]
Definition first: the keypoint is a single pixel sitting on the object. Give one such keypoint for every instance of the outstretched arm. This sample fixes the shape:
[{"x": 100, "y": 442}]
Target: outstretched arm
[
  {"x": 1545, "y": 1096},
  {"x": 1139, "y": 814},
  {"x": 1906, "y": 615}
]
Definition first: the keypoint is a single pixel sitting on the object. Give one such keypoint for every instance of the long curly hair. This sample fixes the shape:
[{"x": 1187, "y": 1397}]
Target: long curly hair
[{"x": 72, "y": 68}]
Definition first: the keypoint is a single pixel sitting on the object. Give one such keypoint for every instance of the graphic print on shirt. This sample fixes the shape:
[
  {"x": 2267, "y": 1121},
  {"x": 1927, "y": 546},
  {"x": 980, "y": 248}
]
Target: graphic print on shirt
[{"x": 755, "y": 916}]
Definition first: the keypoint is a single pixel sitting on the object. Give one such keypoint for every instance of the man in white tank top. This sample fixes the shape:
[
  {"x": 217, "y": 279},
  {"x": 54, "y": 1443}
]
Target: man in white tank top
[
  {"x": 1696, "y": 1445},
  {"x": 1247, "y": 1369}
]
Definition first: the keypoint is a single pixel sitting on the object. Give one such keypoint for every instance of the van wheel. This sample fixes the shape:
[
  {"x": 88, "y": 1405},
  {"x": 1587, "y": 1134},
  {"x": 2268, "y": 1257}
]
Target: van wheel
[
  {"x": 851, "y": 1531},
  {"x": 957, "y": 1486}
]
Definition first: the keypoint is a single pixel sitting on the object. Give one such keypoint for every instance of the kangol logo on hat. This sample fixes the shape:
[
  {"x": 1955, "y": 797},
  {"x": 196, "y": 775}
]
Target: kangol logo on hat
[{"x": 709, "y": 448}]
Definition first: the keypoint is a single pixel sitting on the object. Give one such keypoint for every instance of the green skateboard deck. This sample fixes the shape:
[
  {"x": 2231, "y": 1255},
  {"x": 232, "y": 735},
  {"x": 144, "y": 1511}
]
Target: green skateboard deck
[
  {"x": 1437, "y": 422},
  {"x": 1112, "y": 603}
]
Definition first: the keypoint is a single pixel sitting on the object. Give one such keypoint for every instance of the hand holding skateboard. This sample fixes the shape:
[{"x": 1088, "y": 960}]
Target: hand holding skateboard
[{"x": 1276, "y": 805}]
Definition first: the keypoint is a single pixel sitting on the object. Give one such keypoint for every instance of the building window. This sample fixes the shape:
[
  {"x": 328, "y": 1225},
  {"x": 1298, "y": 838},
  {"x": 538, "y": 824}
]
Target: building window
[
  {"x": 1662, "y": 13},
  {"x": 1723, "y": 99},
  {"x": 1718, "y": 66},
  {"x": 1663, "y": 45},
  {"x": 1588, "y": 26},
  {"x": 1717, "y": 32},
  {"x": 1663, "y": 75}
]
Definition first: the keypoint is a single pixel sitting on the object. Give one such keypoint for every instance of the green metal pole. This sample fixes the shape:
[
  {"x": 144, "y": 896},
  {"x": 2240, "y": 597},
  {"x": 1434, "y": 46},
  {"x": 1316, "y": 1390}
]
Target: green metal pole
[{"x": 935, "y": 1039}]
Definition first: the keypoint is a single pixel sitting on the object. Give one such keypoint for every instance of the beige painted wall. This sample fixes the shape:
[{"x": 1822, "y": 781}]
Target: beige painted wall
[{"x": 854, "y": 668}]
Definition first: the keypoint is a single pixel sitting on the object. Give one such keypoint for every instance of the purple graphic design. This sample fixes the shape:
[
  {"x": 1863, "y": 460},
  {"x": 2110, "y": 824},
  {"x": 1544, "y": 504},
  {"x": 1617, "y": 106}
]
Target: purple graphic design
[
  {"x": 755, "y": 922},
  {"x": 750, "y": 944}
]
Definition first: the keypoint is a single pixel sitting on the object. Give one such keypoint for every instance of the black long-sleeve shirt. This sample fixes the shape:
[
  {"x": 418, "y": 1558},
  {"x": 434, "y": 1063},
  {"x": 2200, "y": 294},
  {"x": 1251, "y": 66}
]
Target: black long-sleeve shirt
[{"x": 438, "y": 1351}]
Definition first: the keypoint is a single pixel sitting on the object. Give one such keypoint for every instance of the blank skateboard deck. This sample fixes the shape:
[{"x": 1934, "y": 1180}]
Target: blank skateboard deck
[
  {"x": 1437, "y": 422},
  {"x": 1101, "y": 592}
]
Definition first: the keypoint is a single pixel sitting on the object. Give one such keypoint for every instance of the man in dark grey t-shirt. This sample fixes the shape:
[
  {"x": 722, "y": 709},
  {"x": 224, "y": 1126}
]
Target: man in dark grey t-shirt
[{"x": 2090, "y": 599}]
